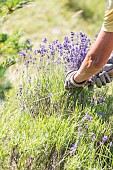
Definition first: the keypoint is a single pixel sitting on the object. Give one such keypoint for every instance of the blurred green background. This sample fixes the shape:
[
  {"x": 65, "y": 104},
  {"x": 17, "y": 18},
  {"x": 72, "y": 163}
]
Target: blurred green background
[{"x": 55, "y": 19}]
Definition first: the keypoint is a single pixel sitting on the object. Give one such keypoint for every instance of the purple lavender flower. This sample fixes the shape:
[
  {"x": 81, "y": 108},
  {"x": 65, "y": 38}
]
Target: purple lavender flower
[
  {"x": 101, "y": 100},
  {"x": 88, "y": 117},
  {"x": 104, "y": 139},
  {"x": 44, "y": 40},
  {"x": 76, "y": 51},
  {"x": 20, "y": 89},
  {"x": 38, "y": 85},
  {"x": 80, "y": 133},
  {"x": 74, "y": 147},
  {"x": 79, "y": 128},
  {"x": 28, "y": 41},
  {"x": 72, "y": 34},
  {"x": 93, "y": 136},
  {"x": 22, "y": 53},
  {"x": 101, "y": 113},
  {"x": 29, "y": 79},
  {"x": 27, "y": 63},
  {"x": 66, "y": 39}
]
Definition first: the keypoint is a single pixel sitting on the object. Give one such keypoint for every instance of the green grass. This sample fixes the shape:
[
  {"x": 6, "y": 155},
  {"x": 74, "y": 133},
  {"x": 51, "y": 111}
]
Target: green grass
[
  {"x": 43, "y": 141},
  {"x": 40, "y": 137}
]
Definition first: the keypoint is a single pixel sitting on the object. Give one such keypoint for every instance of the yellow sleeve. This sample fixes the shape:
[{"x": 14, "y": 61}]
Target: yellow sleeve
[{"x": 108, "y": 18}]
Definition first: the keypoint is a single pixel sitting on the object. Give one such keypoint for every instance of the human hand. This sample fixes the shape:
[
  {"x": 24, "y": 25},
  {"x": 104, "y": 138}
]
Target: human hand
[
  {"x": 104, "y": 76},
  {"x": 102, "y": 79},
  {"x": 70, "y": 83}
]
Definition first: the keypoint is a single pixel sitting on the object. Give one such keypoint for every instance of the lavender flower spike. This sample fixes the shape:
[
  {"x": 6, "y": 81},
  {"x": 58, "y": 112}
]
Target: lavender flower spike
[
  {"x": 44, "y": 40},
  {"x": 104, "y": 139},
  {"x": 74, "y": 147}
]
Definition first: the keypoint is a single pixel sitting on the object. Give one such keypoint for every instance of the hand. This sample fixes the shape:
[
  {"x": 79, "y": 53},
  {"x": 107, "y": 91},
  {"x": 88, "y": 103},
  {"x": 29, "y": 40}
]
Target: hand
[
  {"x": 103, "y": 77},
  {"x": 70, "y": 83}
]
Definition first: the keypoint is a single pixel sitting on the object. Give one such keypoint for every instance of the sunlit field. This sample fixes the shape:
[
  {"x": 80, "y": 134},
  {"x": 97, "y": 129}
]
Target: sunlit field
[{"x": 43, "y": 126}]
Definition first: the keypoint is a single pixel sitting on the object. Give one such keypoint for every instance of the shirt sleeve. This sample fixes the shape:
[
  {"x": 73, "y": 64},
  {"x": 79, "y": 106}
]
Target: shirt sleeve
[{"x": 108, "y": 18}]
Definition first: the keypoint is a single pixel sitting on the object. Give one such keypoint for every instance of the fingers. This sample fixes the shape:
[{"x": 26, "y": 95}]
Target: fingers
[
  {"x": 98, "y": 82},
  {"x": 107, "y": 77},
  {"x": 102, "y": 79}
]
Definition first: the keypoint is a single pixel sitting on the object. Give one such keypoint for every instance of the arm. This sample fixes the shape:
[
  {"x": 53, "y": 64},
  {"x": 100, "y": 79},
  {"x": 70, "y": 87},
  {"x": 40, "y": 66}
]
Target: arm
[
  {"x": 96, "y": 58},
  {"x": 100, "y": 52}
]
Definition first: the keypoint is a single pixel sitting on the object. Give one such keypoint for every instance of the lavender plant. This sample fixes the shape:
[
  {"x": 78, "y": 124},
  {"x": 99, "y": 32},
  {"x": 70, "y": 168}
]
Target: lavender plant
[
  {"x": 44, "y": 68},
  {"x": 41, "y": 92},
  {"x": 43, "y": 72},
  {"x": 61, "y": 136},
  {"x": 72, "y": 131}
]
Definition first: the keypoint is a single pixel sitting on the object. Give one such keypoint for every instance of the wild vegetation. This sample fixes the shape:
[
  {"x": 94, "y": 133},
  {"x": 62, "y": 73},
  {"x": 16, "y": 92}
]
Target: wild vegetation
[
  {"x": 10, "y": 45},
  {"x": 43, "y": 126}
]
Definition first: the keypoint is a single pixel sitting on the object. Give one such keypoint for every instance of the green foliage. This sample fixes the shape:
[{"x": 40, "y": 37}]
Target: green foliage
[
  {"x": 9, "y": 49},
  {"x": 9, "y": 6},
  {"x": 44, "y": 141},
  {"x": 9, "y": 44}
]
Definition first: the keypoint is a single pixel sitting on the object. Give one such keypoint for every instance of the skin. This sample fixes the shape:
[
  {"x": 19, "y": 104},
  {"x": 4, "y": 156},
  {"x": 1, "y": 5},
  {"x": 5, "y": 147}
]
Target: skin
[{"x": 96, "y": 58}]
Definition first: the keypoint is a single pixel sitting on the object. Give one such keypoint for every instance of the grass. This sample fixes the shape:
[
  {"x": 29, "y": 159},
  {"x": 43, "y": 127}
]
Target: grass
[
  {"x": 39, "y": 136},
  {"x": 55, "y": 19},
  {"x": 44, "y": 141}
]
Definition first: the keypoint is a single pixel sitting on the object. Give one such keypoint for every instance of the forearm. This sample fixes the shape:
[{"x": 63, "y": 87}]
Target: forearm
[{"x": 96, "y": 58}]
